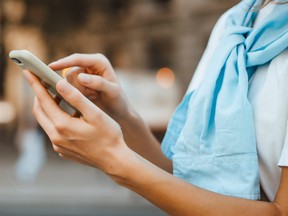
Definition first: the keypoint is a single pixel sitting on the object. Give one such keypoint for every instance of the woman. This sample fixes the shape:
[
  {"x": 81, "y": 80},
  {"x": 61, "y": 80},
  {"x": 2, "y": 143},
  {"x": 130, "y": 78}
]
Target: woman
[{"x": 112, "y": 137}]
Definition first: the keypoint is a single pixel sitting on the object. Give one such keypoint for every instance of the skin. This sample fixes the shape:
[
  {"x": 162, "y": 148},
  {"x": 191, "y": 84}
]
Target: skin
[{"x": 110, "y": 136}]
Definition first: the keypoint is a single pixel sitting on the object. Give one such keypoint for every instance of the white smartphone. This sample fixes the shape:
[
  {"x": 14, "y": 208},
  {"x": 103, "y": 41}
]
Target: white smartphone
[{"x": 49, "y": 78}]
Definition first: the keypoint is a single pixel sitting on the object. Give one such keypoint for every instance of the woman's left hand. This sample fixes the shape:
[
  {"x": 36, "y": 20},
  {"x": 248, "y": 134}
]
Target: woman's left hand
[{"x": 94, "y": 139}]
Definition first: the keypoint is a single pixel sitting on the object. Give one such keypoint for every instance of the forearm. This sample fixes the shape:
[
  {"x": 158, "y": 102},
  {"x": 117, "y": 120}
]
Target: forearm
[
  {"x": 96, "y": 140},
  {"x": 177, "y": 197},
  {"x": 140, "y": 139}
]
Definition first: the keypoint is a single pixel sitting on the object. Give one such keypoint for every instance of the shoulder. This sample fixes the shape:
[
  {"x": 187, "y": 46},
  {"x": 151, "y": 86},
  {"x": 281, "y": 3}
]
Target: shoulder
[
  {"x": 218, "y": 29},
  {"x": 213, "y": 42}
]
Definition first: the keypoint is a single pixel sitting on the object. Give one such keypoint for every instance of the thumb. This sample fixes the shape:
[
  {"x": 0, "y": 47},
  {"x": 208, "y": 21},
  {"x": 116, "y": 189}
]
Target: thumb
[{"x": 74, "y": 97}]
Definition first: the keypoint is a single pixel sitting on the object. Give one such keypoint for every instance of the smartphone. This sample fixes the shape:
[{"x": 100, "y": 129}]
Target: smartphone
[{"x": 27, "y": 61}]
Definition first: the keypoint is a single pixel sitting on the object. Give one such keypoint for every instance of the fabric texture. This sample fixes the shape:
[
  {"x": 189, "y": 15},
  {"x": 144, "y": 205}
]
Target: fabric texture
[
  {"x": 211, "y": 136},
  {"x": 268, "y": 97}
]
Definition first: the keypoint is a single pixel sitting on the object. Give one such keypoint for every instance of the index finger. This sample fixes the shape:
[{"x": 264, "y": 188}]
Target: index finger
[{"x": 94, "y": 61}]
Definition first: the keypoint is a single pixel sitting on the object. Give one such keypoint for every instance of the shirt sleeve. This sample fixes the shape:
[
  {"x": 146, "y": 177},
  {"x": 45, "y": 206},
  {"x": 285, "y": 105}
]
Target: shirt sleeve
[
  {"x": 283, "y": 161},
  {"x": 282, "y": 70}
]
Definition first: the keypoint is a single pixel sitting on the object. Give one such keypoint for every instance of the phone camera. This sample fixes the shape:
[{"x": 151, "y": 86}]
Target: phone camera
[{"x": 16, "y": 60}]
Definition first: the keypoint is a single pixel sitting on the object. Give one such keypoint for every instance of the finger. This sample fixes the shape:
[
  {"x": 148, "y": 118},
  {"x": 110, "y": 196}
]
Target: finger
[
  {"x": 46, "y": 101},
  {"x": 70, "y": 155},
  {"x": 61, "y": 149},
  {"x": 43, "y": 120},
  {"x": 71, "y": 158},
  {"x": 97, "y": 61},
  {"x": 74, "y": 97},
  {"x": 78, "y": 160},
  {"x": 98, "y": 83},
  {"x": 71, "y": 77},
  {"x": 72, "y": 73},
  {"x": 39, "y": 89}
]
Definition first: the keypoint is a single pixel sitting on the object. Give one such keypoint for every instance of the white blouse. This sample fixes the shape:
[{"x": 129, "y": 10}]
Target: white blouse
[{"x": 268, "y": 94}]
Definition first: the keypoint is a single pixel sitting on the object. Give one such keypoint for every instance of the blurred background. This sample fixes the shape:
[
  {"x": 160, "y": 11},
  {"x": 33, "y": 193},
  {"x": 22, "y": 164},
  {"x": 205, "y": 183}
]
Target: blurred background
[{"x": 154, "y": 45}]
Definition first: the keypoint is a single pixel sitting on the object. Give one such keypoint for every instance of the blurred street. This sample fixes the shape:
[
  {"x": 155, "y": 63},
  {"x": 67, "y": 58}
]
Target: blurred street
[{"x": 65, "y": 188}]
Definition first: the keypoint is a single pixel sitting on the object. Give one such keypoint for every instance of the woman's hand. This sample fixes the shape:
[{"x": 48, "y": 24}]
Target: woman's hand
[
  {"x": 94, "y": 139},
  {"x": 94, "y": 76}
]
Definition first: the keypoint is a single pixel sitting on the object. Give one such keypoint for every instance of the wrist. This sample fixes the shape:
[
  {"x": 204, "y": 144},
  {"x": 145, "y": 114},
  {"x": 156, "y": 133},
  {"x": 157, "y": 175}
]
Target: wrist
[
  {"x": 128, "y": 119},
  {"x": 128, "y": 174},
  {"x": 121, "y": 165},
  {"x": 137, "y": 174}
]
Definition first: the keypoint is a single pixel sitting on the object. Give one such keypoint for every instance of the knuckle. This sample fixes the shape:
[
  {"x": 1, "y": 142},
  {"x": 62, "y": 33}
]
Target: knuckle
[
  {"x": 117, "y": 136},
  {"x": 103, "y": 58},
  {"x": 117, "y": 91},
  {"x": 56, "y": 148},
  {"x": 97, "y": 116},
  {"x": 56, "y": 140},
  {"x": 65, "y": 157},
  {"x": 75, "y": 55},
  {"x": 74, "y": 97},
  {"x": 61, "y": 155},
  {"x": 98, "y": 81},
  {"x": 60, "y": 127}
]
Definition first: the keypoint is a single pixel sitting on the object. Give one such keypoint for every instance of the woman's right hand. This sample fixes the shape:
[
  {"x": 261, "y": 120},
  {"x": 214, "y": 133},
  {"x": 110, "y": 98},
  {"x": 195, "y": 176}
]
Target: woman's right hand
[{"x": 94, "y": 76}]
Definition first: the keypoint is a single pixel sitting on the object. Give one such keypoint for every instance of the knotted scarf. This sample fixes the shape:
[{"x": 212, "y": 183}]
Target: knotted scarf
[{"x": 211, "y": 136}]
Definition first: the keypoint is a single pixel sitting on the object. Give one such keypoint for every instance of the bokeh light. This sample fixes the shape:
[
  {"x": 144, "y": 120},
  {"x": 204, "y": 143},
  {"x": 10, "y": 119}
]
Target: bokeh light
[{"x": 165, "y": 77}]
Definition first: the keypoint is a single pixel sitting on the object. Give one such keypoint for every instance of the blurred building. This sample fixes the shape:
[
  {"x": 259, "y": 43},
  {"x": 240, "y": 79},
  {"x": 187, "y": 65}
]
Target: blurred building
[{"x": 146, "y": 41}]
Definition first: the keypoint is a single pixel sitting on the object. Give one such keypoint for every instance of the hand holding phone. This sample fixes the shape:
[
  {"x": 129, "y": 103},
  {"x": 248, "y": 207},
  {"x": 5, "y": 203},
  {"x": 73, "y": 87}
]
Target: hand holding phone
[{"x": 48, "y": 77}]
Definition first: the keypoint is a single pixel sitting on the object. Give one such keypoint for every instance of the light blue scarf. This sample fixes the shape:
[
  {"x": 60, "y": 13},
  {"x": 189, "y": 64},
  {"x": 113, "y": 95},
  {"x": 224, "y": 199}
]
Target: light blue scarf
[{"x": 211, "y": 137}]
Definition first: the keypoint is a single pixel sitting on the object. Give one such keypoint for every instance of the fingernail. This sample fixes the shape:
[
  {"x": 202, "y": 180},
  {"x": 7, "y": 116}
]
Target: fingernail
[
  {"x": 52, "y": 63},
  {"x": 84, "y": 78},
  {"x": 63, "y": 86}
]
